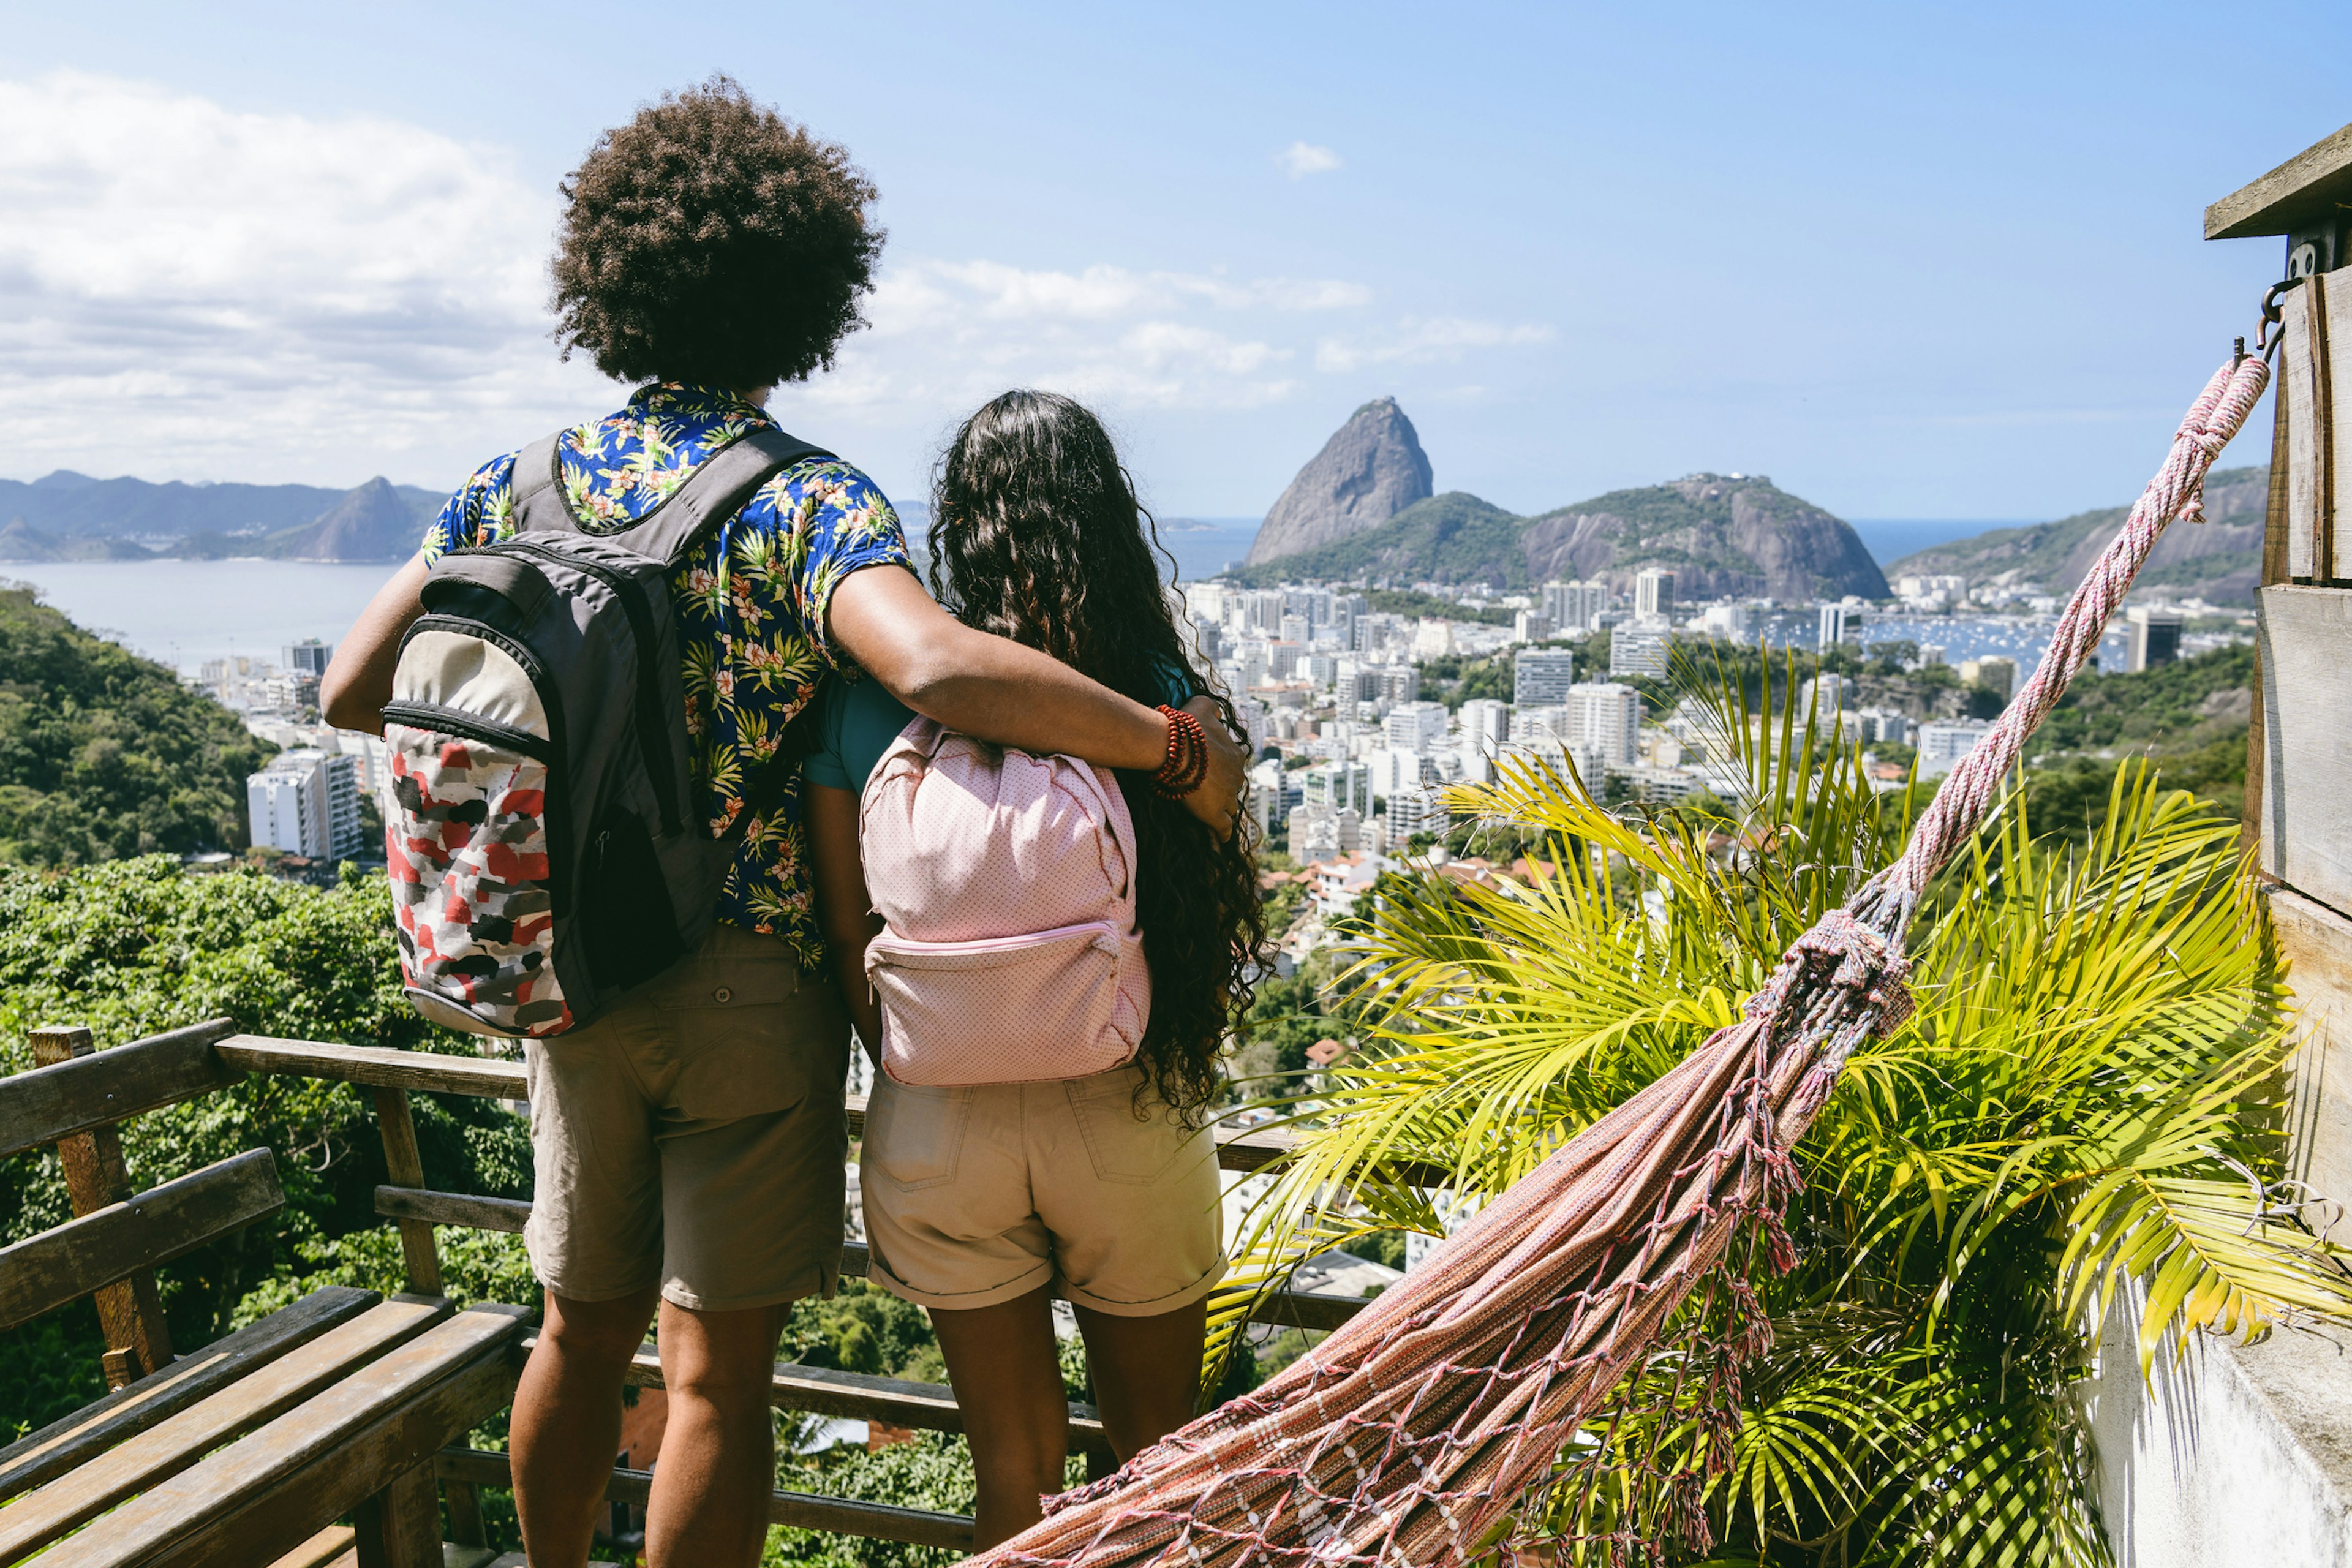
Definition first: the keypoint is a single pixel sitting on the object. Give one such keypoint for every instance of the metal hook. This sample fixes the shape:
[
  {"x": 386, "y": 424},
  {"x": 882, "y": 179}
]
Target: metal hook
[{"x": 2266, "y": 343}]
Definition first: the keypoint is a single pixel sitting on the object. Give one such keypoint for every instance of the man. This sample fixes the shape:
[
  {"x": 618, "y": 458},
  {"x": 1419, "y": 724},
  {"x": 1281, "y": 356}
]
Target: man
[{"x": 688, "y": 1144}]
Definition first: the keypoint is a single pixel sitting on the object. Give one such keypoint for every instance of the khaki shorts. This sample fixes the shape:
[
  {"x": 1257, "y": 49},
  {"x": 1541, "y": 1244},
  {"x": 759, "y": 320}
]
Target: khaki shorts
[
  {"x": 695, "y": 1136},
  {"x": 975, "y": 1197}
]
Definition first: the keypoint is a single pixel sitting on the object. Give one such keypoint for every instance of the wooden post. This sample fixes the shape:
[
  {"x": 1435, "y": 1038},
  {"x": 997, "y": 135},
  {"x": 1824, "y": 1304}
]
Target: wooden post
[
  {"x": 137, "y": 1342},
  {"x": 2274, "y": 570},
  {"x": 464, "y": 1501},
  {"x": 400, "y": 1527},
  {"x": 405, "y": 1165}
]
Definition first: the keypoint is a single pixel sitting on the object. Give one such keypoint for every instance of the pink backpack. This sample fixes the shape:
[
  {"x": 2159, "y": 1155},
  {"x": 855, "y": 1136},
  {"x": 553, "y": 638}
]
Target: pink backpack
[{"x": 1007, "y": 885}]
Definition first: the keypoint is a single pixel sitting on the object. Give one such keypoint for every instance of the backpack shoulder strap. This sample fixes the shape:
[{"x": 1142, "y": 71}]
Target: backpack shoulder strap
[
  {"x": 717, "y": 492},
  {"x": 538, "y": 489}
]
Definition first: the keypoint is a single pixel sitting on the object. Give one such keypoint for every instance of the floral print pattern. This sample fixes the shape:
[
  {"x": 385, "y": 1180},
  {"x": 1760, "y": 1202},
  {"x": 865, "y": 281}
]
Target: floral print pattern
[{"x": 751, "y": 603}]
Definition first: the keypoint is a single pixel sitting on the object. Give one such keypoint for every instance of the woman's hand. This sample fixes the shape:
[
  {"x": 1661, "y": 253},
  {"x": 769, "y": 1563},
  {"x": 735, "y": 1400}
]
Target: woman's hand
[{"x": 1218, "y": 800}]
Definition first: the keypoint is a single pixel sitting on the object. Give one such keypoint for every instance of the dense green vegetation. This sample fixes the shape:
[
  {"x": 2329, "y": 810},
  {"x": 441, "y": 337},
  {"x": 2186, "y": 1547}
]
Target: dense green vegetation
[
  {"x": 104, "y": 754},
  {"x": 1406, "y": 601},
  {"x": 2188, "y": 719},
  {"x": 1454, "y": 537},
  {"x": 131, "y": 947}
]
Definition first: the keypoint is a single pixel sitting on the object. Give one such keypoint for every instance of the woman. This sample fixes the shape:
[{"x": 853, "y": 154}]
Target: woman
[{"x": 981, "y": 1200}]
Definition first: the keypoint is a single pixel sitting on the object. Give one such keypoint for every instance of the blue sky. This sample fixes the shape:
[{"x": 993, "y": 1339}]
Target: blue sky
[{"x": 1911, "y": 261}]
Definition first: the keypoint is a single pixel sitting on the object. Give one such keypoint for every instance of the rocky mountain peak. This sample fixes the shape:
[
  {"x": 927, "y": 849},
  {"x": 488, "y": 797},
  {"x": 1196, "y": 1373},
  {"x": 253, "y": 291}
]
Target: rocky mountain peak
[
  {"x": 1372, "y": 468},
  {"x": 371, "y": 523}
]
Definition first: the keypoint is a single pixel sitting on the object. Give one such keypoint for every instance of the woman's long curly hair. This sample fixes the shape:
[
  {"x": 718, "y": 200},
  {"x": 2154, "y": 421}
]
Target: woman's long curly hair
[{"x": 1037, "y": 535}]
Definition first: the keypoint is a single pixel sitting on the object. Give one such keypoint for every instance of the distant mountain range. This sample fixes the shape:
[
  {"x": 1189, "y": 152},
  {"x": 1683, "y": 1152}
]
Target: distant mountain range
[
  {"x": 68, "y": 516},
  {"x": 1361, "y": 510},
  {"x": 2219, "y": 560}
]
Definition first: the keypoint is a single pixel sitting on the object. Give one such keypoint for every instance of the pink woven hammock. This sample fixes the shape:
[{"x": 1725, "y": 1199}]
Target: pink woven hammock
[{"x": 1413, "y": 1433}]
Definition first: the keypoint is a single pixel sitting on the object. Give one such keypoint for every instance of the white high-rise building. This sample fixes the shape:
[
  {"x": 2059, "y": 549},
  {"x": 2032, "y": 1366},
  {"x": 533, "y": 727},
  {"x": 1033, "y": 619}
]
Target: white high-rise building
[
  {"x": 1654, "y": 595},
  {"x": 1339, "y": 786},
  {"x": 1485, "y": 731},
  {"x": 1995, "y": 673},
  {"x": 1486, "y": 722},
  {"x": 1826, "y": 694},
  {"x": 1415, "y": 726},
  {"x": 1416, "y": 810},
  {"x": 1531, "y": 625},
  {"x": 1888, "y": 725},
  {"x": 1946, "y": 741},
  {"x": 1837, "y": 623},
  {"x": 306, "y": 802},
  {"x": 1637, "y": 652},
  {"x": 1540, "y": 677},
  {"x": 1573, "y": 606},
  {"x": 2155, "y": 635},
  {"x": 310, "y": 657},
  {"x": 1394, "y": 772},
  {"x": 1607, "y": 716}
]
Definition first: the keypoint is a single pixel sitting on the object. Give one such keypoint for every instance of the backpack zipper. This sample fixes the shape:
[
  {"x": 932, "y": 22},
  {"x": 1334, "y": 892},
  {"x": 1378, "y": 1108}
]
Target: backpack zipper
[
  {"x": 652, "y": 723},
  {"x": 438, "y": 720}
]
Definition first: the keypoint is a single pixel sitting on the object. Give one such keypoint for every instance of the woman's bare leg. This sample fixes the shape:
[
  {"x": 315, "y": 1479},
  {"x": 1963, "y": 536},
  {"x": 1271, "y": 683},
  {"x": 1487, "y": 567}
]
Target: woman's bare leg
[
  {"x": 1008, "y": 1383},
  {"x": 1146, "y": 1372}
]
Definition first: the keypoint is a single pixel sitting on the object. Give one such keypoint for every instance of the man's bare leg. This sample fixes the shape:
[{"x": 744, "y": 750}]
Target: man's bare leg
[
  {"x": 567, "y": 1421},
  {"x": 717, "y": 1466}
]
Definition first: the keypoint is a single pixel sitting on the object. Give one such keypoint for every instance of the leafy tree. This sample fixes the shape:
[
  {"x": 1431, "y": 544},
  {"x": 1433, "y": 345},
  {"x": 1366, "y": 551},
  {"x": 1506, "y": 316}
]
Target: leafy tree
[{"x": 104, "y": 754}]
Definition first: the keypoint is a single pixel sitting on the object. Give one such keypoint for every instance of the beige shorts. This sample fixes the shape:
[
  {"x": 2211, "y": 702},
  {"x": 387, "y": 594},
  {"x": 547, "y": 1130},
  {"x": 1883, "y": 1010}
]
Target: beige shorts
[
  {"x": 975, "y": 1197},
  {"x": 695, "y": 1136}
]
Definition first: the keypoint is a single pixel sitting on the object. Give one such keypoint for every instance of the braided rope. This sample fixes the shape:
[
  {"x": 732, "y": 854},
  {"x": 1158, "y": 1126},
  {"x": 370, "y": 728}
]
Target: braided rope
[
  {"x": 2178, "y": 491},
  {"x": 1417, "y": 1432}
]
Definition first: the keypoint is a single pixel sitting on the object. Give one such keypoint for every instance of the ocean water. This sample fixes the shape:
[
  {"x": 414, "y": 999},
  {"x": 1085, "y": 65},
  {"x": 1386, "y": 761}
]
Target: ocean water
[{"x": 181, "y": 613}]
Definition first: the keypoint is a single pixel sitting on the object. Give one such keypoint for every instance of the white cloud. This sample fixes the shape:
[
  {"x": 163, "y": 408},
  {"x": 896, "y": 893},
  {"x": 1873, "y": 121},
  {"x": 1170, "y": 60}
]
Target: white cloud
[
  {"x": 190, "y": 291},
  {"x": 947, "y": 334},
  {"x": 178, "y": 280},
  {"x": 1432, "y": 340},
  {"x": 1301, "y": 158}
]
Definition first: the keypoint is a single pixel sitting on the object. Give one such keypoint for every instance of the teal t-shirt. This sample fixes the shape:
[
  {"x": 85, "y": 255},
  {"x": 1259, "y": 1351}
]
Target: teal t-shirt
[{"x": 856, "y": 721}]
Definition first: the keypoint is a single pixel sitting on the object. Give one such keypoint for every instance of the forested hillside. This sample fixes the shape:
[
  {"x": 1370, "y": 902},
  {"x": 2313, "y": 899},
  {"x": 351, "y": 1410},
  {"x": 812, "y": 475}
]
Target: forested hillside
[{"x": 104, "y": 754}]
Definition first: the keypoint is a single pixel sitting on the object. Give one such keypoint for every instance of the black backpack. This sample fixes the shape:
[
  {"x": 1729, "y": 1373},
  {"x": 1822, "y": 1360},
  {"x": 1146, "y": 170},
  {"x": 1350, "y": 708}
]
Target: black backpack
[{"x": 545, "y": 847}]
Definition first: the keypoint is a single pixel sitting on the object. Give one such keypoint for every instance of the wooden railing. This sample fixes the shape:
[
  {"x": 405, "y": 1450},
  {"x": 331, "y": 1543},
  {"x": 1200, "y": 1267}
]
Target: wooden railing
[{"x": 169, "y": 1076}]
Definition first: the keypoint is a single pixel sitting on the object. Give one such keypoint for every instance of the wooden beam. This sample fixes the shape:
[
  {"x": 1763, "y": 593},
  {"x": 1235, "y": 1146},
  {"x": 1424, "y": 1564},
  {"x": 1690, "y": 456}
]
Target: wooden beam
[
  {"x": 406, "y": 1164},
  {"x": 400, "y": 1527},
  {"x": 2307, "y": 187},
  {"x": 268, "y": 1491},
  {"x": 163, "y": 1451},
  {"x": 41, "y": 1457},
  {"x": 129, "y": 1313},
  {"x": 64, "y": 1264},
  {"x": 52, "y": 1103},
  {"x": 797, "y": 1510},
  {"x": 1298, "y": 1309},
  {"x": 507, "y": 1214},
  {"x": 377, "y": 1066}
]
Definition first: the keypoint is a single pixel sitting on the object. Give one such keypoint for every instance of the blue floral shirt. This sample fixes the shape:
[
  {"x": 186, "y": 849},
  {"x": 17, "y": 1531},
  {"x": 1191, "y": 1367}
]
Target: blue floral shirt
[{"x": 751, "y": 605}]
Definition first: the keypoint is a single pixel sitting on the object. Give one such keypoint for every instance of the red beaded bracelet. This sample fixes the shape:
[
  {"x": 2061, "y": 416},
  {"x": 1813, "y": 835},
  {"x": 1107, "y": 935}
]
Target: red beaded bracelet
[{"x": 1187, "y": 763}]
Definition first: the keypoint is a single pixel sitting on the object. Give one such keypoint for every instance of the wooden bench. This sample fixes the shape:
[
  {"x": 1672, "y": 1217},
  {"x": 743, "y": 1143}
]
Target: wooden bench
[
  {"x": 334, "y": 1406},
  {"x": 345, "y": 1404}
]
